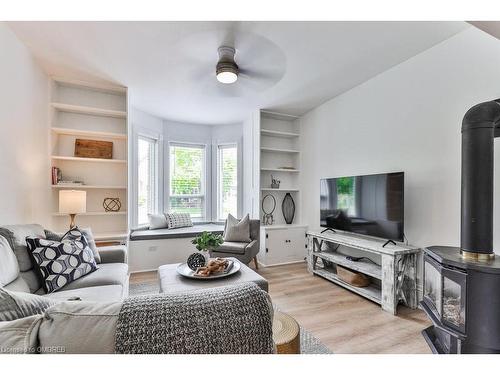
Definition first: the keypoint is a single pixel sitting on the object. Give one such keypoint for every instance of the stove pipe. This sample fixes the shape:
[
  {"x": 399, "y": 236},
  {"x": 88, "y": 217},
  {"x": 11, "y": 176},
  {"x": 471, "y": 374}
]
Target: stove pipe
[{"x": 481, "y": 124}]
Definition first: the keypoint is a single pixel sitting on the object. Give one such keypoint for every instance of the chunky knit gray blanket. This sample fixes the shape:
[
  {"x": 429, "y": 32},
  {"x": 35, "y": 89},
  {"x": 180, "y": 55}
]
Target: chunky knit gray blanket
[{"x": 234, "y": 320}]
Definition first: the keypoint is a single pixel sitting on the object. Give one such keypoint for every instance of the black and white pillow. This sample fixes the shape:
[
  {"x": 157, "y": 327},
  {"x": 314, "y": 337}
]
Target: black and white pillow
[
  {"x": 61, "y": 262},
  {"x": 178, "y": 220}
]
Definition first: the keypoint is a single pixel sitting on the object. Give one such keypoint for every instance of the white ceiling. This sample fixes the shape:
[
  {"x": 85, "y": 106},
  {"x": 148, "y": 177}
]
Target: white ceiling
[{"x": 169, "y": 67}]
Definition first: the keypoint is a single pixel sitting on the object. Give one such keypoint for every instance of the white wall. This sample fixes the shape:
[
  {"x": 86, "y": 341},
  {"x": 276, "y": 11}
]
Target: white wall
[
  {"x": 24, "y": 135},
  {"x": 407, "y": 119}
]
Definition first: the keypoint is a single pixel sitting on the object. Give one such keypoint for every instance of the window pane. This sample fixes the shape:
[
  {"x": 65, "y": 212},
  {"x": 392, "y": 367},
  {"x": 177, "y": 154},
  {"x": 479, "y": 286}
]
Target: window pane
[
  {"x": 227, "y": 181},
  {"x": 187, "y": 170},
  {"x": 146, "y": 200}
]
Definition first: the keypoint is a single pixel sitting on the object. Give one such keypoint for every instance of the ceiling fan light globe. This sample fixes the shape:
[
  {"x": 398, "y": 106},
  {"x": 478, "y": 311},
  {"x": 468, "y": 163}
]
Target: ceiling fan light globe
[{"x": 227, "y": 77}]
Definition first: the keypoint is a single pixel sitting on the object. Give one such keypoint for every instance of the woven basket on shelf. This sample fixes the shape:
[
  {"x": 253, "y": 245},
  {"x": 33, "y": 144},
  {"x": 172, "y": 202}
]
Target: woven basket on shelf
[{"x": 354, "y": 278}]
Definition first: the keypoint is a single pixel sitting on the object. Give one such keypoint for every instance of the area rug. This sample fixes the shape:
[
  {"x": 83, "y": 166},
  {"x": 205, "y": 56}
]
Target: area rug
[{"x": 309, "y": 344}]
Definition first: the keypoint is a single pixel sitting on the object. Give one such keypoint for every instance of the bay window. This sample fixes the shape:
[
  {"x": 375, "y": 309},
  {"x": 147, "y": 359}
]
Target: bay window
[{"x": 187, "y": 179}]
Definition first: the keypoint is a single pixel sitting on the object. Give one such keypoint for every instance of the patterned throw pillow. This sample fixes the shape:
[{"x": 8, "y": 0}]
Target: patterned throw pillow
[
  {"x": 61, "y": 262},
  {"x": 17, "y": 305},
  {"x": 89, "y": 236},
  {"x": 178, "y": 220}
]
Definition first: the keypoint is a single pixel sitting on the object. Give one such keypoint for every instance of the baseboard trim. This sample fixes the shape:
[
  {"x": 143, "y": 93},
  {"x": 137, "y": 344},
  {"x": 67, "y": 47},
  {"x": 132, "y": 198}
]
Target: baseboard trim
[{"x": 280, "y": 264}]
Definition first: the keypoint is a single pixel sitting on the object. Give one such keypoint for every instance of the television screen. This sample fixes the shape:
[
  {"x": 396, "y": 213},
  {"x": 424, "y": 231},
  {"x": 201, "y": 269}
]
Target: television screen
[{"x": 372, "y": 205}]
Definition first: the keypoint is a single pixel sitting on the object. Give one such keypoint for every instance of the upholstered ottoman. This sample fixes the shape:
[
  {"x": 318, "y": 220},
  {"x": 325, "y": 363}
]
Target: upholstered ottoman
[{"x": 170, "y": 281}]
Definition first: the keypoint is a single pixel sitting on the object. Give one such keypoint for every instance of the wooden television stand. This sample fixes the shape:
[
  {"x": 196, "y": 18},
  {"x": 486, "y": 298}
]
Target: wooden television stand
[{"x": 394, "y": 276}]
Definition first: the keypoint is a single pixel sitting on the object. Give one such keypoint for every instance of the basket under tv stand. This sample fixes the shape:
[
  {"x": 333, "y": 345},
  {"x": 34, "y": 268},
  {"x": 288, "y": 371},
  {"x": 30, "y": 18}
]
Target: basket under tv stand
[{"x": 393, "y": 275}]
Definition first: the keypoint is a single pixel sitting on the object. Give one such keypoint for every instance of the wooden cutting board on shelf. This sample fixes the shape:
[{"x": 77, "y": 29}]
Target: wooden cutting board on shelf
[{"x": 86, "y": 148}]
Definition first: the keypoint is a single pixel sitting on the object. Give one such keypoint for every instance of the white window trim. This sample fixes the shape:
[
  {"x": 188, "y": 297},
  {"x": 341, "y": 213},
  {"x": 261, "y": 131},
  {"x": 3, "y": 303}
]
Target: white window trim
[
  {"x": 137, "y": 132},
  {"x": 239, "y": 144},
  {"x": 239, "y": 177},
  {"x": 206, "y": 186}
]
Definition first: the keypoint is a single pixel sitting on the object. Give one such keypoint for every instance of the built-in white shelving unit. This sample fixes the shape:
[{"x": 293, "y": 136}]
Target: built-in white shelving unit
[
  {"x": 279, "y": 149},
  {"x": 283, "y": 170},
  {"x": 87, "y": 133},
  {"x": 85, "y": 110},
  {"x": 85, "y": 187},
  {"x": 277, "y": 133},
  {"x": 87, "y": 160},
  {"x": 91, "y": 111}
]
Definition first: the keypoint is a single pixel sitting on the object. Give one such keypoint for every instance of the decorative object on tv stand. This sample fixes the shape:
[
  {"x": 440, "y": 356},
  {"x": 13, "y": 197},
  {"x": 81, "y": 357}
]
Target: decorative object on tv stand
[
  {"x": 112, "y": 204},
  {"x": 275, "y": 183},
  {"x": 195, "y": 261},
  {"x": 72, "y": 202},
  {"x": 207, "y": 241},
  {"x": 268, "y": 218},
  {"x": 288, "y": 208},
  {"x": 86, "y": 148}
]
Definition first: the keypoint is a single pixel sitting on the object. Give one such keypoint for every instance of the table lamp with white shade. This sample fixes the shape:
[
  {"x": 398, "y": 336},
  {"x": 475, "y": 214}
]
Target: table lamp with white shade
[{"x": 72, "y": 202}]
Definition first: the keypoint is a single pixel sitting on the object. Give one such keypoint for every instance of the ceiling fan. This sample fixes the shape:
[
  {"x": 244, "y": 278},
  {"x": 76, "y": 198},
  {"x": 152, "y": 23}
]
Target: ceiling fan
[
  {"x": 231, "y": 63},
  {"x": 226, "y": 69}
]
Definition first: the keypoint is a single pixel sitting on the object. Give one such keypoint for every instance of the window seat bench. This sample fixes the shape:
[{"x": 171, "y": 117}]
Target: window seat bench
[
  {"x": 165, "y": 233},
  {"x": 152, "y": 248}
]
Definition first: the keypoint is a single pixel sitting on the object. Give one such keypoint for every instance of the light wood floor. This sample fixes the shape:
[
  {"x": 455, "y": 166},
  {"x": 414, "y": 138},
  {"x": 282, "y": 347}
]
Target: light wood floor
[{"x": 342, "y": 320}]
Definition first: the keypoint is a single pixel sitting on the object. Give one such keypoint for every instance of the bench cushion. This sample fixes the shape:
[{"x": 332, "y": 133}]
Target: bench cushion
[{"x": 158, "y": 234}]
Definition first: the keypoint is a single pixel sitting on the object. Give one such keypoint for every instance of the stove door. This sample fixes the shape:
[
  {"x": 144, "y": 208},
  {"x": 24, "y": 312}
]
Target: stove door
[
  {"x": 454, "y": 289},
  {"x": 433, "y": 285}
]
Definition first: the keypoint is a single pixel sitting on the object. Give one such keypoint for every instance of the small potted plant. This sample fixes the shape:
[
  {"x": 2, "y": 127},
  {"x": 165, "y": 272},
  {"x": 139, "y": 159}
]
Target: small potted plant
[{"x": 207, "y": 241}]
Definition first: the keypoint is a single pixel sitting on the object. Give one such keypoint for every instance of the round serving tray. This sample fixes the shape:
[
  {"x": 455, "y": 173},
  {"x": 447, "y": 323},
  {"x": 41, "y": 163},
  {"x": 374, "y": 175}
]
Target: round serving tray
[{"x": 184, "y": 270}]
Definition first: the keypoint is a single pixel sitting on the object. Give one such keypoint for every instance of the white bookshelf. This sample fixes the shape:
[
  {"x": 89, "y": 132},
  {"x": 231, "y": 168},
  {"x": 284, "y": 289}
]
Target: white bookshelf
[
  {"x": 279, "y": 157},
  {"x": 93, "y": 111},
  {"x": 88, "y": 160},
  {"x": 101, "y": 213},
  {"x": 279, "y": 149},
  {"x": 84, "y": 187},
  {"x": 88, "y": 133}
]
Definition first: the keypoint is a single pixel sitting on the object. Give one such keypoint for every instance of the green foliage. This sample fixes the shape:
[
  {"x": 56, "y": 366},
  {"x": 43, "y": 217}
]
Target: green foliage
[
  {"x": 185, "y": 170},
  {"x": 207, "y": 240},
  {"x": 345, "y": 185}
]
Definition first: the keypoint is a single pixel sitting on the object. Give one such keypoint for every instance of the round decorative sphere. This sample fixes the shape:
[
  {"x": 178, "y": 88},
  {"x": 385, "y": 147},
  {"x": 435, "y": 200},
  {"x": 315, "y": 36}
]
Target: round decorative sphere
[{"x": 195, "y": 261}]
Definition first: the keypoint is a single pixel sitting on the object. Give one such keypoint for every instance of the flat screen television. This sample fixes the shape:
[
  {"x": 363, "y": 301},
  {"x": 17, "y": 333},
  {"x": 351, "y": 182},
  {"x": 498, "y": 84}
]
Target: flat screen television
[{"x": 371, "y": 205}]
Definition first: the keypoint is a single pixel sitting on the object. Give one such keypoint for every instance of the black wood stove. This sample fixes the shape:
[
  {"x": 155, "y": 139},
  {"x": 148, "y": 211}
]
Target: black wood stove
[{"x": 462, "y": 284}]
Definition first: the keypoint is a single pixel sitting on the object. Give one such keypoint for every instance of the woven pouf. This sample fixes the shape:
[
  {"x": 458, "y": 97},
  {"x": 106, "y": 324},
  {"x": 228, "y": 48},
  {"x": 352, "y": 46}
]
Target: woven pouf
[{"x": 286, "y": 334}]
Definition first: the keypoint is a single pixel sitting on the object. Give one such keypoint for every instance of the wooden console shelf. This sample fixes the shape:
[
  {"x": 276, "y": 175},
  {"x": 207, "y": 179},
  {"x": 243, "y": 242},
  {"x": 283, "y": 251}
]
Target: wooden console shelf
[{"x": 395, "y": 276}]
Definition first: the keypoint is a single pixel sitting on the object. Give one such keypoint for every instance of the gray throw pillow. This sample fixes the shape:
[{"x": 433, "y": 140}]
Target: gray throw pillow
[
  {"x": 237, "y": 230},
  {"x": 157, "y": 221},
  {"x": 17, "y": 305}
]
